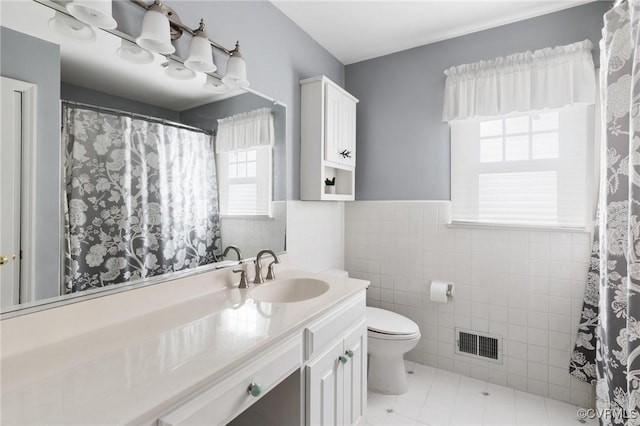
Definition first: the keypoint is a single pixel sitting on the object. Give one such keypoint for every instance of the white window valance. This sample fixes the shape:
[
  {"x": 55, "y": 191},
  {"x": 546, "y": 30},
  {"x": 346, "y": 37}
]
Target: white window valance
[
  {"x": 245, "y": 130},
  {"x": 527, "y": 81}
]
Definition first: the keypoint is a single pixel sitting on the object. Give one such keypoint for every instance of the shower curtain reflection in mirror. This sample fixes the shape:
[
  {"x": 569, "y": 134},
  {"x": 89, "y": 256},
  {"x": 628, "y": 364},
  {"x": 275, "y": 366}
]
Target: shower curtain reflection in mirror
[{"x": 140, "y": 199}]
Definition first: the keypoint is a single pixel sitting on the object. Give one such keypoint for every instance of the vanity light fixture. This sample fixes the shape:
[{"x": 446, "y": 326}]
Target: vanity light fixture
[
  {"x": 161, "y": 25},
  {"x": 156, "y": 31},
  {"x": 236, "y": 74},
  {"x": 96, "y": 13},
  {"x": 200, "y": 56},
  {"x": 178, "y": 71},
  {"x": 215, "y": 86},
  {"x": 71, "y": 29},
  {"x": 134, "y": 54}
]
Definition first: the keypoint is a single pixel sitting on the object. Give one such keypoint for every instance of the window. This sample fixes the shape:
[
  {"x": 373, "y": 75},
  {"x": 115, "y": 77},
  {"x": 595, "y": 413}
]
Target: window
[
  {"x": 522, "y": 169},
  {"x": 245, "y": 181},
  {"x": 244, "y": 146}
]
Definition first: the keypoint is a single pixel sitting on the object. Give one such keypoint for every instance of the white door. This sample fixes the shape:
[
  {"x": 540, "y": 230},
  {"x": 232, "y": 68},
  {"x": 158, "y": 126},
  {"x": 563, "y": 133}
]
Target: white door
[
  {"x": 355, "y": 375},
  {"x": 325, "y": 389},
  {"x": 17, "y": 101}
]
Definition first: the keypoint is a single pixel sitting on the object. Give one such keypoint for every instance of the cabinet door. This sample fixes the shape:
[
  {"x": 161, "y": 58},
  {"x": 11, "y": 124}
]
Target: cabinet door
[
  {"x": 333, "y": 117},
  {"x": 355, "y": 375},
  {"x": 325, "y": 389},
  {"x": 348, "y": 132},
  {"x": 340, "y": 127}
]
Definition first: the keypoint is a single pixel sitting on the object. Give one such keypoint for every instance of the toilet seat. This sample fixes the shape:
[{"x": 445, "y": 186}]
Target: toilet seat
[
  {"x": 387, "y": 325},
  {"x": 383, "y": 336}
]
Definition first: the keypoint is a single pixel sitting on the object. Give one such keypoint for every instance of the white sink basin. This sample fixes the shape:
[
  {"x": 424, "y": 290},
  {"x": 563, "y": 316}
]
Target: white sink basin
[{"x": 290, "y": 290}]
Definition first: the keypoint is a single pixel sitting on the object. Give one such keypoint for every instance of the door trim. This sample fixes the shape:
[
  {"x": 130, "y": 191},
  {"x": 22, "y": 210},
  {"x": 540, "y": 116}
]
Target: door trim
[{"x": 28, "y": 180}]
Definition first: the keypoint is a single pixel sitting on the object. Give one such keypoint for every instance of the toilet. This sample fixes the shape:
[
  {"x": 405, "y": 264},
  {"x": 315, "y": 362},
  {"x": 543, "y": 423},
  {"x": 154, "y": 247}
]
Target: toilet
[{"x": 390, "y": 336}]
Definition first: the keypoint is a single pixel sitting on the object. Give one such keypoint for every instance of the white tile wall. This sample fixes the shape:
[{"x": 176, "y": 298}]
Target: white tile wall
[
  {"x": 315, "y": 235},
  {"x": 252, "y": 235},
  {"x": 526, "y": 286}
]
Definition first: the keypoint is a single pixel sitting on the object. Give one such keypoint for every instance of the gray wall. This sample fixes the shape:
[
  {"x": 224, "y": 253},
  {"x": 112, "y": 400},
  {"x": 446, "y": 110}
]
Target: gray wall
[
  {"x": 75, "y": 93},
  {"x": 35, "y": 61},
  {"x": 277, "y": 52},
  {"x": 403, "y": 146},
  {"x": 206, "y": 116}
]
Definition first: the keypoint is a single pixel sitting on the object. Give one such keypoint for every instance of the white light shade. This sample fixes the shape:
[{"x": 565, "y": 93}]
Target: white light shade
[
  {"x": 133, "y": 53},
  {"x": 200, "y": 57},
  {"x": 236, "y": 75},
  {"x": 215, "y": 86},
  {"x": 178, "y": 71},
  {"x": 71, "y": 29},
  {"x": 96, "y": 13},
  {"x": 156, "y": 32}
]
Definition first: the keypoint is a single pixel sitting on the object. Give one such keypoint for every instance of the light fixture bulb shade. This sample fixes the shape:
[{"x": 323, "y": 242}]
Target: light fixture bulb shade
[
  {"x": 179, "y": 71},
  {"x": 71, "y": 29},
  {"x": 134, "y": 54},
  {"x": 96, "y": 13},
  {"x": 215, "y": 86},
  {"x": 200, "y": 56},
  {"x": 156, "y": 32},
  {"x": 236, "y": 75}
]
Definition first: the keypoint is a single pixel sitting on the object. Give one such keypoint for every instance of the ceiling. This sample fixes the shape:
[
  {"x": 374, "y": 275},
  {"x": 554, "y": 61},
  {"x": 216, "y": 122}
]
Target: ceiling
[{"x": 354, "y": 30}]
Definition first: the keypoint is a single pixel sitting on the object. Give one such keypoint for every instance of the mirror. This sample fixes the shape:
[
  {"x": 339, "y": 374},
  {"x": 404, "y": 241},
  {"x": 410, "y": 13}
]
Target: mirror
[{"x": 102, "y": 87}]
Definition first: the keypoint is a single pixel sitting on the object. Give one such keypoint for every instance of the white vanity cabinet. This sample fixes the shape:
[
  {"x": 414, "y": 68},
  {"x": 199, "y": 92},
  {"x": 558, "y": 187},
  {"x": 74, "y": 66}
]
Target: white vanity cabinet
[
  {"x": 329, "y": 356},
  {"x": 336, "y": 370},
  {"x": 328, "y": 130},
  {"x": 231, "y": 396},
  {"x": 336, "y": 382}
]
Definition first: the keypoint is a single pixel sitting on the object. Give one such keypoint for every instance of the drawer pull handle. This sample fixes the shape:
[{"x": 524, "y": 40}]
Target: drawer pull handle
[
  {"x": 254, "y": 389},
  {"x": 343, "y": 359},
  {"x": 349, "y": 353}
]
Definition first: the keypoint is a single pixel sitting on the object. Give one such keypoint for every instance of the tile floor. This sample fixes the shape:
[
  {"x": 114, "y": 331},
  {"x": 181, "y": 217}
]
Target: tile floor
[{"x": 438, "y": 397}]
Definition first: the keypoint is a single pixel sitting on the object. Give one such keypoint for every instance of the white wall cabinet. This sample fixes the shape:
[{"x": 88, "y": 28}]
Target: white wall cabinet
[
  {"x": 328, "y": 130},
  {"x": 336, "y": 382}
]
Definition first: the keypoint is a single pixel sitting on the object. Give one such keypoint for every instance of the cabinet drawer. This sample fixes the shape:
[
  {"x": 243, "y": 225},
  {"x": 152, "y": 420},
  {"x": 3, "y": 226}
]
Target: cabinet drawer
[
  {"x": 228, "y": 398},
  {"x": 323, "y": 332}
]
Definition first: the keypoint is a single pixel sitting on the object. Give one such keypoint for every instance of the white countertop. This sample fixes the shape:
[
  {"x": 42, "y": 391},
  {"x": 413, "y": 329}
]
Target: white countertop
[{"x": 131, "y": 371}]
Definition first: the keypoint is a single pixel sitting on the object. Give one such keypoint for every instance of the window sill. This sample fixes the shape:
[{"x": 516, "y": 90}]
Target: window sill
[
  {"x": 247, "y": 217},
  {"x": 504, "y": 226}
]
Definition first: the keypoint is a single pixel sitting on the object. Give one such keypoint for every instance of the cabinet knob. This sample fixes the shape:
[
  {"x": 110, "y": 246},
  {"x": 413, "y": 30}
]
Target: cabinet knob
[
  {"x": 343, "y": 359},
  {"x": 3, "y": 259},
  {"x": 349, "y": 353},
  {"x": 254, "y": 389}
]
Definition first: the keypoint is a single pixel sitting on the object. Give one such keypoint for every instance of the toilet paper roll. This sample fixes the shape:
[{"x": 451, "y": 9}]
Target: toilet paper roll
[{"x": 439, "y": 290}]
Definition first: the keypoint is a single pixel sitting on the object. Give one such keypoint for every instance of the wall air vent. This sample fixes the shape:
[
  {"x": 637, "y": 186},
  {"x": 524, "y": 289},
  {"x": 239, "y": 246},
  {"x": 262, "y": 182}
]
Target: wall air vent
[{"x": 479, "y": 345}]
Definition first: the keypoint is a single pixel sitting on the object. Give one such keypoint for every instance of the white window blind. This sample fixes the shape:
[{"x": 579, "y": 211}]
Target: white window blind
[
  {"x": 245, "y": 182},
  {"x": 522, "y": 169}
]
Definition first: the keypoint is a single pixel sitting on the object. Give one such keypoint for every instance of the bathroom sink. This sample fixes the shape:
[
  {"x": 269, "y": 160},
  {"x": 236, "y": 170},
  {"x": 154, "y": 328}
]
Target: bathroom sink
[{"x": 290, "y": 290}]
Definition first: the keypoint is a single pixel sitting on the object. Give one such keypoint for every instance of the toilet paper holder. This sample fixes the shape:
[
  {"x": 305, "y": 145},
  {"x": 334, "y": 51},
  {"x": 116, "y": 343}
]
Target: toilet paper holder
[{"x": 449, "y": 290}]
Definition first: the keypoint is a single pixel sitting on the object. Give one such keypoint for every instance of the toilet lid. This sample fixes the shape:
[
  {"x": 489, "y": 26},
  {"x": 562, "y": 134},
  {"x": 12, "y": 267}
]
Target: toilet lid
[{"x": 388, "y": 322}]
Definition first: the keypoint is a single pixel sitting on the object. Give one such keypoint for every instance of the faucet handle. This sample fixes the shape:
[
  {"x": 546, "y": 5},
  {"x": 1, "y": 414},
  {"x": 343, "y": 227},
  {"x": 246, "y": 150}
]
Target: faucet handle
[
  {"x": 243, "y": 278},
  {"x": 271, "y": 273}
]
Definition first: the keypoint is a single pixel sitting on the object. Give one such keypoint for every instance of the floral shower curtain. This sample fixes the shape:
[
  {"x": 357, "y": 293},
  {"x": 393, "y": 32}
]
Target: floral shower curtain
[
  {"x": 141, "y": 199},
  {"x": 607, "y": 350}
]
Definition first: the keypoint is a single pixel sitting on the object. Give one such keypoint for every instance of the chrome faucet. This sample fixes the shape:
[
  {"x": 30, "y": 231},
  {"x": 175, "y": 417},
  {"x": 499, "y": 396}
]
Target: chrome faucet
[
  {"x": 270, "y": 274},
  {"x": 234, "y": 248}
]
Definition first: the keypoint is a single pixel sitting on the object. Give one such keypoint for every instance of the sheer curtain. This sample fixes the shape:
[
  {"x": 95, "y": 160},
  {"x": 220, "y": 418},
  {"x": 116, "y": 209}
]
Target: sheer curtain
[
  {"x": 527, "y": 81},
  {"x": 141, "y": 199},
  {"x": 245, "y": 130}
]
